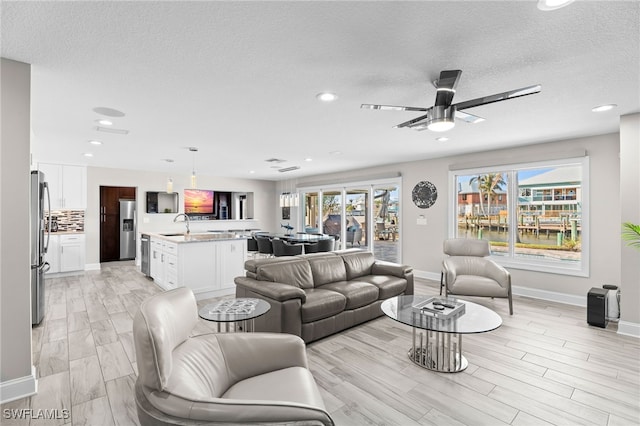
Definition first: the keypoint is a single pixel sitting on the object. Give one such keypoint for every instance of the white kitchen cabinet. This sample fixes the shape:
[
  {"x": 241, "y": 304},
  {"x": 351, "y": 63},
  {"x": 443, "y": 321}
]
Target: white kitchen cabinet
[
  {"x": 67, "y": 185},
  {"x": 66, "y": 253},
  {"x": 164, "y": 263},
  {"x": 53, "y": 254},
  {"x": 206, "y": 267},
  {"x": 230, "y": 257},
  {"x": 72, "y": 248}
]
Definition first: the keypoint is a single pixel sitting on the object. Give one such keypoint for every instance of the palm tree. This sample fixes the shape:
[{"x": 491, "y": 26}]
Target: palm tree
[
  {"x": 480, "y": 180},
  {"x": 493, "y": 181},
  {"x": 488, "y": 184}
]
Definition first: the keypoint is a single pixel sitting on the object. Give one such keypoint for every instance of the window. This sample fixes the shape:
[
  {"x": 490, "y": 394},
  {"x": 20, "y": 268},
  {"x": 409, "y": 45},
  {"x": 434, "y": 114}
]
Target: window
[{"x": 543, "y": 228}]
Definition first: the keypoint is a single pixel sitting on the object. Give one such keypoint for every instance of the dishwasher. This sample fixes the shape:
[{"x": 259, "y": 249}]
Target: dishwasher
[{"x": 145, "y": 251}]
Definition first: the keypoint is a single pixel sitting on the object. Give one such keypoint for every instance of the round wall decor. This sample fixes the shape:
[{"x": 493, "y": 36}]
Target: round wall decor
[{"x": 424, "y": 194}]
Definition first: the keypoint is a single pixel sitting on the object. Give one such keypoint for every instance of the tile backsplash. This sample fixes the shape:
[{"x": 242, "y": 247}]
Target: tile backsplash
[{"x": 68, "y": 220}]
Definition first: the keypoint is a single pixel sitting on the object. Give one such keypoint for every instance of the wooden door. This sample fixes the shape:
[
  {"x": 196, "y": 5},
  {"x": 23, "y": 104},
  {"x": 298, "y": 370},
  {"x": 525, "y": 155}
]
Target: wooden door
[{"x": 110, "y": 219}]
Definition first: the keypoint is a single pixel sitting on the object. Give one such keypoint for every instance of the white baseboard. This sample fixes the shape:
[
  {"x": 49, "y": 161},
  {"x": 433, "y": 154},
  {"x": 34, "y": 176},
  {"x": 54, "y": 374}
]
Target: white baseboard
[
  {"x": 21, "y": 387},
  {"x": 629, "y": 328},
  {"x": 425, "y": 275},
  {"x": 552, "y": 296},
  {"x": 92, "y": 267}
]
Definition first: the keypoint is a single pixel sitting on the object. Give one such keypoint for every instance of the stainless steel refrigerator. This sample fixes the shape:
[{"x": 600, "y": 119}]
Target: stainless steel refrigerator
[
  {"x": 127, "y": 229},
  {"x": 40, "y": 200}
]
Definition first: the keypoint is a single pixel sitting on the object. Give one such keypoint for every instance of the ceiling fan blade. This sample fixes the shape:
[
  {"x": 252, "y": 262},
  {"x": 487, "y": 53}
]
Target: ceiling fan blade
[
  {"x": 469, "y": 118},
  {"x": 511, "y": 94},
  {"x": 412, "y": 121},
  {"x": 392, "y": 107},
  {"x": 446, "y": 86}
]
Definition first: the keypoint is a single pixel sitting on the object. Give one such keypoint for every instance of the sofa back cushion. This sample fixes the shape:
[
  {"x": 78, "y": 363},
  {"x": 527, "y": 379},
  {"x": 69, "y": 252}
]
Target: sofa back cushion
[
  {"x": 293, "y": 272},
  {"x": 358, "y": 264},
  {"x": 327, "y": 269}
]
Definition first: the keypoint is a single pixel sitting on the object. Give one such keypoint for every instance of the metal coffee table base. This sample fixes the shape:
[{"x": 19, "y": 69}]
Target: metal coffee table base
[
  {"x": 246, "y": 326},
  {"x": 438, "y": 351}
]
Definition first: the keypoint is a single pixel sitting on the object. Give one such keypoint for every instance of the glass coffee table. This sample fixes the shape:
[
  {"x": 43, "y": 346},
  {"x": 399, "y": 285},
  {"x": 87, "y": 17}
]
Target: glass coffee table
[
  {"x": 438, "y": 329},
  {"x": 236, "y": 314}
]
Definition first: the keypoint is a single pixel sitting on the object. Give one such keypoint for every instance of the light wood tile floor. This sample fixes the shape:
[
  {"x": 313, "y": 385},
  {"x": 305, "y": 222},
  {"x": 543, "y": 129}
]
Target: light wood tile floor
[{"x": 544, "y": 366}]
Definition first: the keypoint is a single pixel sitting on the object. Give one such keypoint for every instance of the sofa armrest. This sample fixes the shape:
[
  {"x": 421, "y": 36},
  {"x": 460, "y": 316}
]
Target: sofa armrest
[
  {"x": 381, "y": 267},
  {"x": 275, "y": 291}
]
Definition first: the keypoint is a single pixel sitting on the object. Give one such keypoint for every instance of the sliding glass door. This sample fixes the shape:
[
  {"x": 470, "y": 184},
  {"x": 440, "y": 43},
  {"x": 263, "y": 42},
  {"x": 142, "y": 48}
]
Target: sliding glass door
[{"x": 357, "y": 215}]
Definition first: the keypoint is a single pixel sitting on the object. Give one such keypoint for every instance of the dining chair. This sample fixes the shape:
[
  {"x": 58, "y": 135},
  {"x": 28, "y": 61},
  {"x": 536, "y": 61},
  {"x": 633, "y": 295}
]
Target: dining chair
[
  {"x": 326, "y": 244},
  {"x": 283, "y": 248},
  {"x": 264, "y": 246}
]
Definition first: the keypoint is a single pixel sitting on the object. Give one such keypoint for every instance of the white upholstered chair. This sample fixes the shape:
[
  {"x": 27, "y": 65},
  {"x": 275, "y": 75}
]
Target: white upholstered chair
[
  {"x": 228, "y": 378},
  {"x": 468, "y": 271}
]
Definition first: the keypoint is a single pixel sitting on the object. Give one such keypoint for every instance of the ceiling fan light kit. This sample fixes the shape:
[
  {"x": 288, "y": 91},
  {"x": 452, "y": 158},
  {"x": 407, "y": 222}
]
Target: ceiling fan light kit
[
  {"x": 440, "y": 117},
  {"x": 547, "y": 5}
]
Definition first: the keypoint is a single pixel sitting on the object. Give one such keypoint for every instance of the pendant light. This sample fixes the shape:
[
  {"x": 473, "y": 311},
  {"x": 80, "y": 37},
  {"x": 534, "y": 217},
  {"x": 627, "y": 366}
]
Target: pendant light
[
  {"x": 169, "y": 180},
  {"x": 194, "y": 182}
]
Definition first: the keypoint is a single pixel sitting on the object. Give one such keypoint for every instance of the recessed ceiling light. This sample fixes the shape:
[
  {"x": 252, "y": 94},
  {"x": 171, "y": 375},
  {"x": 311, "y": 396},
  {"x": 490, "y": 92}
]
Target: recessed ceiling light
[
  {"x": 308, "y": 159},
  {"x": 94, "y": 142},
  {"x": 553, "y": 4},
  {"x": 88, "y": 154},
  {"x": 252, "y": 171},
  {"x": 104, "y": 122},
  {"x": 442, "y": 139},
  {"x": 327, "y": 96},
  {"x": 602, "y": 108}
]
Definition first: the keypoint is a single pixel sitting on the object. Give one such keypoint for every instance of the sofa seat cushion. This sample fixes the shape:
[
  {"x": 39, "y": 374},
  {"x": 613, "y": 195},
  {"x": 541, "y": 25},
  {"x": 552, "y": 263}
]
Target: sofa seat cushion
[
  {"x": 294, "y": 385},
  {"x": 478, "y": 286},
  {"x": 388, "y": 285},
  {"x": 357, "y": 293},
  {"x": 322, "y": 303}
]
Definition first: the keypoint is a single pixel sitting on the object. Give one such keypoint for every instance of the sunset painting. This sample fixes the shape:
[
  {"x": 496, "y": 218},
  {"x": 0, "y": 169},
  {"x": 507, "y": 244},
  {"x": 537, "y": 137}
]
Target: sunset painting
[{"x": 198, "y": 201}]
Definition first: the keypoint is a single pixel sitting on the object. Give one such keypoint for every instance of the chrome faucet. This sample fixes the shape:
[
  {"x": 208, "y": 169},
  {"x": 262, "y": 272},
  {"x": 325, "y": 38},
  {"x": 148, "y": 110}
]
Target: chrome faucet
[{"x": 186, "y": 221}]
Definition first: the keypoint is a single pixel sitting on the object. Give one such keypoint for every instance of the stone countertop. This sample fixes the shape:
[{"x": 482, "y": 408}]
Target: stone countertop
[
  {"x": 67, "y": 232},
  {"x": 196, "y": 237}
]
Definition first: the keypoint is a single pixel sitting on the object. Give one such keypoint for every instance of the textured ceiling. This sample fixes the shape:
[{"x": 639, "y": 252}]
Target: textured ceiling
[{"x": 238, "y": 79}]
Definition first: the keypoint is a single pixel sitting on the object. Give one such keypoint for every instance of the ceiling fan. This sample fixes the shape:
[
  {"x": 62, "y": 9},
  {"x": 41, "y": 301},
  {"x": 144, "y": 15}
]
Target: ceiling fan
[{"x": 440, "y": 117}]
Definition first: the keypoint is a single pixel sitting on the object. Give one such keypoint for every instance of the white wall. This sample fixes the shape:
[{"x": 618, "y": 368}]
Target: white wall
[
  {"x": 16, "y": 378},
  {"x": 264, "y": 195},
  {"x": 630, "y": 212},
  {"x": 422, "y": 245}
]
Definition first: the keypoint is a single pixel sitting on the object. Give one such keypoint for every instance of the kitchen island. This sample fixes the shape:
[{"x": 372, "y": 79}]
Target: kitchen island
[{"x": 206, "y": 262}]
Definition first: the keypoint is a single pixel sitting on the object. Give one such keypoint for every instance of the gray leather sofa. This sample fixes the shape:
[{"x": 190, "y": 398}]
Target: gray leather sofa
[
  {"x": 228, "y": 378},
  {"x": 316, "y": 295}
]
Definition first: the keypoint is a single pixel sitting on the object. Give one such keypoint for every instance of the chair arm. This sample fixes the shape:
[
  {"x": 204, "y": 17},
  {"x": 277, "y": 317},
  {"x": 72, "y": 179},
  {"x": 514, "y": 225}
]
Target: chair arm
[
  {"x": 498, "y": 273},
  {"x": 450, "y": 271},
  {"x": 275, "y": 291},
  {"x": 381, "y": 267},
  {"x": 252, "y": 354}
]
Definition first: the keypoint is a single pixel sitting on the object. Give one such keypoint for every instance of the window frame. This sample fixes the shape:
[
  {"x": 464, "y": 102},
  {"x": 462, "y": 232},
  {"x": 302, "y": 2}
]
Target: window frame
[{"x": 581, "y": 269}]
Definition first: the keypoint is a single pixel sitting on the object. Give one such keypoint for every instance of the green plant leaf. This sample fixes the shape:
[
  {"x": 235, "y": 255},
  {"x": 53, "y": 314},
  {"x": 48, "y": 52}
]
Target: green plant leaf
[{"x": 631, "y": 234}]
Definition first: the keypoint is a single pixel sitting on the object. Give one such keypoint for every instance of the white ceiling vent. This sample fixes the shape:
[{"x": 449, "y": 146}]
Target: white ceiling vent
[
  {"x": 108, "y": 130},
  {"x": 288, "y": 169}
]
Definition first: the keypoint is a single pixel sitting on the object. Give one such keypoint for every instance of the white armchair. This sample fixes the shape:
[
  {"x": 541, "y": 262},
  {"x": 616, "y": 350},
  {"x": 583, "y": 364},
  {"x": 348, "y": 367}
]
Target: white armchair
[
  {"x": 228, "y": 378},
  {"x": 469, "y": 272}
]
